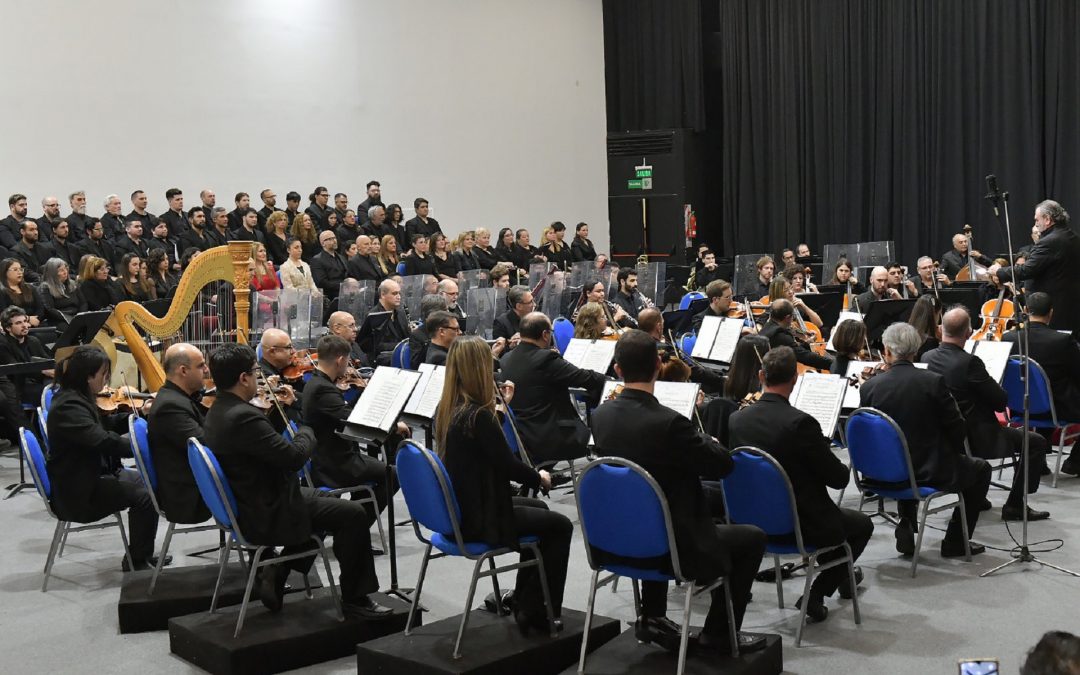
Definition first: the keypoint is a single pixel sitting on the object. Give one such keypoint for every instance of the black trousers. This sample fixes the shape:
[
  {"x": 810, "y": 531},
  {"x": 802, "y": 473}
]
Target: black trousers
[
  {"x": 973, "y": 481},
  {"x": 11, "y": 412},
  {"x": 1037, "y": 449},
  {"x": 124, "y": 490},
  {"x": 532, "y": 518},
  {"x": 348, "y": 523},
  {"x": 746, "y": 546},
  {"x": 857, "y": 531}
]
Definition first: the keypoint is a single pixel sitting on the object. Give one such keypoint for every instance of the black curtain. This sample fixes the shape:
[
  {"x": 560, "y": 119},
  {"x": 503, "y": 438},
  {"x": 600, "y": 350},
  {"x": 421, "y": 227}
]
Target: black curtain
[
  {"x": 653, "y": 64},
  {"x": 854, "y": 120}
]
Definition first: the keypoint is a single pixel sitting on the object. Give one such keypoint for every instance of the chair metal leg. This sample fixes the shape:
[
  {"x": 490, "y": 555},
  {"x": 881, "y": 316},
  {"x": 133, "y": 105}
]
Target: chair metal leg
[
  {"x": 733, "y": 633},
  {"x": 161, "y": 558},
  {"x": 58, "y": 533},
  {"x": 1057, "y": 463},
  {"x": 779, "y": 582},
  {"x": 307, "y": 587},
  {"x": 223, "y": 559},
  {"x": 330, "y": 580},
  {"x": 925, "y": 508},
  {"x": 684, "y": 634},
  {"x": 854, "y": 587},
  {"x": 124, "y": 538},
  {"x": 539, "y": 560},
  {"x": 806, "y": 598},
  {"x": 964, "y": 528},
  {"x": 615, "y": 585},
  {"x": 416, "y": 591},
  {"x": 637, "y": 597},
  {"x": 495, "y": 586},
  {"x": 468, "y": 607},
  {"x": 63, "y": 543},
  {"x": 588, "y": 621},
  {"x": 247, "y": 589}
]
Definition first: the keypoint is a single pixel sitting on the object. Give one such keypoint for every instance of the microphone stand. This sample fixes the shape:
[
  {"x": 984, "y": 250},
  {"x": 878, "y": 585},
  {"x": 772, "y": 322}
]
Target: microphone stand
[{"x": 1024, "y": 555}]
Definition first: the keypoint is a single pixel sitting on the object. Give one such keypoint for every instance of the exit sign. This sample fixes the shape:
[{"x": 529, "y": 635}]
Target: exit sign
[{"x": 642, "y": 179}]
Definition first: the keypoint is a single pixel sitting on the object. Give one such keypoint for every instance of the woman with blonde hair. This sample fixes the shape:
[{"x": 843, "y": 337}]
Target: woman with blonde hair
[
  {"x": 98, "y": 291},
  {"x": 485, "y": 253},
  {"x": 592, "y": 322},
  {"x": 480, "y": 464},
  {"x": 303, "y": 228},
  {"x": 387, "y": 257},
  {"x": 465, "y": 251},
  {"x": 277, "y": 237},
  {"x": 265, "y": 278}
]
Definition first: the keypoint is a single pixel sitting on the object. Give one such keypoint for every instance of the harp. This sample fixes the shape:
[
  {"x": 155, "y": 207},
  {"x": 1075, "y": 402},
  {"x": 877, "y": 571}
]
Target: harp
[{"x": 221, "y": 264}]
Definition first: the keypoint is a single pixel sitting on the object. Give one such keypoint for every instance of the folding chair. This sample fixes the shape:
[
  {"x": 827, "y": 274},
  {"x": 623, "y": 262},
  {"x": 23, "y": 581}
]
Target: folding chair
[
  {"x": 1041, "y": 401},
  {"x": 367, "y": 488}
]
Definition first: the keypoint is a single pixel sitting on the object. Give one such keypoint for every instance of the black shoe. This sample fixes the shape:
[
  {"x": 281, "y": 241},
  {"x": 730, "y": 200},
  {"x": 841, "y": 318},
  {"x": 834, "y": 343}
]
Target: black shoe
[
  {"x": 1017, "y": 513},
  {"x": 955, "y": 549},
  {"x": 375, "y": 550},
  {"x": 148, "y": 564},
  {"x": 659, "y": 630},
  {"x": 748, "y": 642},
  {"x": 527, "y": 623},
  {"x": 845, "y": 589},
  {"x": 271, "y": 587},
  {"x": 986, "y": 505},
  {"x": 1044, "y": 470},
  {"x": 365, "y": 609},
  {"x": 1070, "y": 467},
  {"x": 507, "y": 603},
  {"x": 905, "y": 537},
  {"x": 816, "y": 611}
]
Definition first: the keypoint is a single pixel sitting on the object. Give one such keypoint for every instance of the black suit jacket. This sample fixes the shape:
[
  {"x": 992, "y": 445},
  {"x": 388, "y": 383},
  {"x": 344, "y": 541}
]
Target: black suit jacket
[
  {"x": 261, "y": 467},
  {"x": 547, "y": 419},
  {"x": 1051, "y": 268},
  {"x": 435, "y": 355},
  {"x": 336, "y": 463},
  {"x": 582, "y": 249},
  {"x": 67, "y": 251},
  {"x": 328, "y": 271},
  {"x": 99, "y": 248},
  {"x": 124, "y": 245},
  {"x": 920, "y": 403},
  {"x": 363, "y": 268},
  {"x": 418, "y": 345},
  {"x": 174, "y": 418},
  {"x": 505, "y": 325},
  {"x": 178, "y": 222},
  {"x": 115, "y": 226},
  {"x": 977, "y": 395},
  {"x": 416, "y": 226},
  {"x": 794, "y": 439},
  {"x": 192, "y": 239},
  {"x": 32, "y": 259},
  {"x": 782, "y": 337},
  {"x": 636, "y": 427},
  {"x": 1059, "y": 356}
]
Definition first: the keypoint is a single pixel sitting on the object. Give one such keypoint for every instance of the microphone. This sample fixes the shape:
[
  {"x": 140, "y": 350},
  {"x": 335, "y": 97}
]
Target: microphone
[{"x": 994, "y": 193}]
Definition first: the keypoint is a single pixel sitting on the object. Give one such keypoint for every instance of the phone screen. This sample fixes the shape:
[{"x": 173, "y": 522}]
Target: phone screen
[{"x": 979, "y": 667}]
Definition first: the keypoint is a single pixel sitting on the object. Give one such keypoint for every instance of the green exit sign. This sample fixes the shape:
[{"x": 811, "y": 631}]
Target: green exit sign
[
  {"x": 643, "y": 172},
  {"x": 633, "y": 184}
]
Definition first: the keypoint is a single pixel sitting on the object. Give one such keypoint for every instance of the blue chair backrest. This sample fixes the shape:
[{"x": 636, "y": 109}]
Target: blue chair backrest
[
  {"x": 400, "y": 268},
  {"x": 258, "y": 351},
  {"x": 606, "y": 494},
  {"x": 687, "y": 342},
  {"x": 140, "y": 443},
  {"x": 46, "y": 397},
  {"x": 36, "y": 459},
  {"x": 876, "y": 447},
  {"x": 208, "y": 475},
  {"x": 418, "y": 472},
  {"x": 1039, "y": 394},
  {"x": 399, "y": 358},
  {"x": 508, "y": 431},
  {"x": 43, "y": 427},
  {"x": 758, "y": 493},
  {"x": 564, "y": 332},
  {"x": 690, "y": 297}
]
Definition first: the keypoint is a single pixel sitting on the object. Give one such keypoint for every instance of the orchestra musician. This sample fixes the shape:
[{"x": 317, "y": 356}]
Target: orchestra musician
[
  {"x": 925, "y": 317},
  {"x": 592, "y": 323},
  {"x": 547, "y": 420},
  {"x": 957, "y": 259},
  {"x": 636, "y": 427},
  {"x": 1059, "y": 356},
  {"x": 849, "y": 341},
  {"x": 448, "y": 288},
  {"x": 719, "y": 294},
  {"x": 783, "y": 289},
  {"x": 596, "y": 292},
  {"x": 709, "y": 271},
  {"x": 272, "y": 508},
  {"x": 520, "y": 299},
  {"x": 899, "y": 282},
  {"x": 419, "y": 337},
  {"x": 979, "y": 397},
  {"x": 1049, "y": 266},
  {"x": 394, "y": 329},
  {"x": 766, "y": 268},
  {"x": 879, "y": 290},
  {"x": 629, "y": 297},
  {"x": 343, "y": 325},
  {"x": 929, "y": 277},
  {"x": 779, "y": 333},
  {"x": 443, "y": 329},
  {"x": 796, "y": 275},
  {"x": 843, "y": 275},
  {"x": 17, "y": 345},
  {"x": 795, "y": 440},
  {"x": 920, "y": 403},
  {"x": 651, "y": 321}
]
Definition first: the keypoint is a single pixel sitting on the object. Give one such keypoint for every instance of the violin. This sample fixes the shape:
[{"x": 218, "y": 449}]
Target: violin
[
  {"x": 750, "y": 399},
  {"x": 352, "y": 377},
  {"x": 122, "y": 400},
  {"x": 303, "y": 362},
  {"x": 867, "y": 373}
]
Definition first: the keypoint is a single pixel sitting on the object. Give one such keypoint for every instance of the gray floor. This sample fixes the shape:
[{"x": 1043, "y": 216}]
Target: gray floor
[{"x": 920, "y": 625}]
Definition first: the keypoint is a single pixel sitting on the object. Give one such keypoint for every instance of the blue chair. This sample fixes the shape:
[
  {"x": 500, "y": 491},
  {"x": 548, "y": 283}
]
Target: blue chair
[
  {"x": 689, "y": 298},
  {"x": 758, "y": 492},
  {"x": 1041, "y": 401},
  {"x": 401, "y": 355},
  {"x": 47, "y": 396},
  {"x": 564, "y": 332},
  {"x": 43, "y": 427},
  {"x": 431, "y": 501},
  {"x": 367, "y": 488},
  {"x": 882, "y": 465},
  {"x": 609, "y": 488},
  {"x": 400, "y": 269},
  {"x": 218, "y": 495},
  {"x": 687, "y": 342},
  {"x": 258, "y": 351},
  {"x": 35, "y": 459},
  {"x": 144, "y": 462}
]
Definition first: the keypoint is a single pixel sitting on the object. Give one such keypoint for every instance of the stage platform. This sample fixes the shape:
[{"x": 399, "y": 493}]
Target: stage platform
[
  {"x": 185, "y": 590},
  {"x": 493, "y": 645},
  {"x": 304, "y": 633},
  {"x": 626, "y": 656}
]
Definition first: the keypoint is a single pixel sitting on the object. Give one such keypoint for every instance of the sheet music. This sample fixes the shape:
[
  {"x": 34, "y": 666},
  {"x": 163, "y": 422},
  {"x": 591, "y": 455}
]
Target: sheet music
[
  {"x": 726, "y": 338},
  {"x": 843, "y": 316},
  {"x": 382, "y": 400},
  {"x": 820, "y": 396},
  {"x": 678, "y": 396},
  {"x": 855, "y": 368},
  {"x": 994, "y": 355},
  {"x": 428, "y": 391},
  {"x": 594, "y": 355},
  {"x": 706, "y": 337}
]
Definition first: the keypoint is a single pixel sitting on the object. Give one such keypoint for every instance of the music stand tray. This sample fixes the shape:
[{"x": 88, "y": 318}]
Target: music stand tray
[{"x": 882, "y": 313}]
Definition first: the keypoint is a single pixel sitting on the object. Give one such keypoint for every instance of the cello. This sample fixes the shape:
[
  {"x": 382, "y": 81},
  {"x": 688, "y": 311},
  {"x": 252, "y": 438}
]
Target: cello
[{"x": 996, "y": 315}]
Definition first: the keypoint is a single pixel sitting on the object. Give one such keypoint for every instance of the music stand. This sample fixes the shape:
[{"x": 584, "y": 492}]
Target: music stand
[
  {"x": 881, "y": 314},
  {"x": 80, "y": 331},
  {"x": 826, "y": 305},
  {"x": 968, "y": 296},
  {"x": 373, "y": 325}
]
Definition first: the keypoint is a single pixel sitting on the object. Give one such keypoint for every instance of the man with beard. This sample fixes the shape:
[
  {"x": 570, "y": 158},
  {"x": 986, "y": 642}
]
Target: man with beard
[
  {"x": 341, "y": 205},
  {"x": 77, "y": 220},
  {"x": 269, "y": 200},
  {"x": 62, "y": 246},
  {"x": 95, "y": 244},
  {"x": 236, "y": 216},
  {"x": 196, "y": 236},
  {"x": 113, "y": 219},
  {"x": 10, "y": 226},
  {"x": 374, "y": 198},
  {"x": 376, "y": 226},
  {"x": 29, "y": 252},
  {"x": 209, "y": 201},
  {"x": 50, "y": 207}
]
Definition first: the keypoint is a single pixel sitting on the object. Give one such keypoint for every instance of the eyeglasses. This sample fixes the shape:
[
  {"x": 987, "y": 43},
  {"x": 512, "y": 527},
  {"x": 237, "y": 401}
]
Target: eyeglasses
[
  {"x": 455, "y": 328},
  {"x": 287, "y": 348}
]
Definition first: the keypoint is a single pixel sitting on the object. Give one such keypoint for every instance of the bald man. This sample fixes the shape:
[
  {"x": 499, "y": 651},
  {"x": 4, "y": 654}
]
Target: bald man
[
  {"x": 329, "y": 268},
  {"x": 362, "y": 266},
  {"x": 277, "y": 354},
  {"x": 343, "y": 325},
  {"x": 879, "y": 290},
  {"x": 175, "y": 416}
]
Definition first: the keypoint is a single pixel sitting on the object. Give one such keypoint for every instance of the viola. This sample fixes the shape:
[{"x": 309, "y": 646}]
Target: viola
[
  {"x": 303, "y": 362},
  {"x": 125, "y": 399},
  {"x": 352, "y": 378}
]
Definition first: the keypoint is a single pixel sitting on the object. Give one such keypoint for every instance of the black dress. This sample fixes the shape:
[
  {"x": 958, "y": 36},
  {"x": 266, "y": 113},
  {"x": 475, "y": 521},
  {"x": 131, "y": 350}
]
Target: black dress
[
  {"x": 562, "y": 257},
  {"x": 582, "y": 249},
  {"x": 448, "y": 267},
  {"x": 30, "y": 300},
  {"x": 487, "y": 258},
  {"x": 98, "y": 295},
  {"x": 277, "y": 248}
]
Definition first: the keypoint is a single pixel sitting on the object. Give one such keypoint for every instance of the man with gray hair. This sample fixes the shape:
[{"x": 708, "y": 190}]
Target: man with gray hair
[
  {"x": 520, "y": 299},
  {"x": 448, "y": 288},
  {"x": 113, "y": 220},
  {"x": 375, "y": 226},
  {"x": 218, "y": 231},
  {"x": 387, "y": 325},
  {"x": 979, "y": 397},
  {"x": 920, "y": 403},
  {"x": 419, "y": 338},
  {"x": 1049, "y": 266},
  {"x": 78, "y": 221},
  {"x": 928, "y": 277}
]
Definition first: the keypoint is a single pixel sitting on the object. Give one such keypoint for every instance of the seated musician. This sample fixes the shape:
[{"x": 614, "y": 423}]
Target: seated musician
[
  {"x": 1059, "y": 356},
  {"x": 88, "y": 481},
  {"x": 800, "y": 282},
  {"x": 278, "y": 354},
  {"x": 18, "y": 346},
  {"x": 787, "y": 257},
  {"x": 849, "y": 342},
  {"x": 957, "y": 259},
  {"x": 391, "y": 330},
  {"x": 795, "y": 440},
  {"x": 979, "y": 397},
  {"x": 842, "y": 276},
  {"x": 926, "y": 318},
  {"x": 448, "y": 288},
  {"x": 343, "y": 325},
  {"x": 779, "y": 332},
  {"x": 920, "y": 403},
  {"x": 336, "y": 462},
  {"x": 718, "y": 293},
  {"x": 520, "y": 299},
  {"x": 546, "y": 417},
  {"x": 651, "y": 321},
  {"x": 709, "y": 271},
  {"x": 629, "y": 297},
  {"x": 174, "y": 417},
  {"x": 472, "y": 445},
  {"x": 596, "y": 292},
  {"x": 500, "y": 275},
  {"x": 444, "y": 329},
  {"x": 419, "y": 338},
  {"x": 272, "y": 508},
  {"x": 766, "y": 269},
  {"x": 929, "y": 277},
  {"x": 636, "y": 427},
  {"x": 783, "y": 288},
  {"x": 900, "y": 282},
  {"x": 803, "y": 251},
  {"x": 592, "y": 323},
  {"x": 879, "y": 290}
]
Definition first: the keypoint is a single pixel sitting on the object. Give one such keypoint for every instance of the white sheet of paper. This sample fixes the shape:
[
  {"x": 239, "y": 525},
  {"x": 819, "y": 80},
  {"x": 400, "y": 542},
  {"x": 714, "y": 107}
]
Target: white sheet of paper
[
  {"x": 706, "y": 337},
  {"x": 820, "y": 396},
  {"x": 843, "y": 316},
  {"x": 594, "y": 355},
  {"x": 994, "y": 355},
  {"x": 726, "y": 339},
  {"x": 678, "y": 396},
  {"x": 384, "y": 397},
  {"x": 428, "y": 391},
  {"x": 851, "y": 395}
]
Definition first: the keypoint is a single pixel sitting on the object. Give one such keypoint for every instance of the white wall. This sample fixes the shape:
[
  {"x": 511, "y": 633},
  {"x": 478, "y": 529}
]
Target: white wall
[{"x": 491, "y": 109}]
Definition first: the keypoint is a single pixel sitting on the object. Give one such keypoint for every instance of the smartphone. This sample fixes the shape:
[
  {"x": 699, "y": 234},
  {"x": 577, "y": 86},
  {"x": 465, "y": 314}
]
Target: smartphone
[{"x": 978, "y": 667}]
